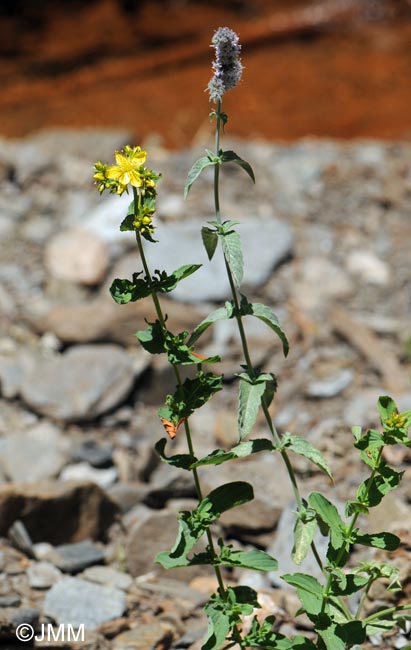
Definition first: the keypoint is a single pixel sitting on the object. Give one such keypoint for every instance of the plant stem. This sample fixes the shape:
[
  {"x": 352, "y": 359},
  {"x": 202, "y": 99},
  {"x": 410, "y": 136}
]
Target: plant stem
[
  {"x": 161, "y": 319},
  {"x": 243, "y": 337},
  {"x": 349, "y": 533},
  {"x": 384, "y": 612}
]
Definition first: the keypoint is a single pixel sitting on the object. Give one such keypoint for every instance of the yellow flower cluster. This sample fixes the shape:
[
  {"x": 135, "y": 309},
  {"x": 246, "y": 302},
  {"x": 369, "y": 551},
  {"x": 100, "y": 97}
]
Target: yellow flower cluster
[
  {"x": 129, "y": 171},
  {"x": 396, "y": 421}
]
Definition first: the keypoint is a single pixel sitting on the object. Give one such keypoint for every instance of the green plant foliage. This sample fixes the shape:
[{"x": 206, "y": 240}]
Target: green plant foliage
[
  {"x": 197, "y": 168},
  {"x": 251, "y": 391},
  {"x": 231, "y": 156},
  {"x": 124, "y": 291},
  {"x": 210, "y": 241},
  {"x": 334, "y": 603},
  {"x": 242, "y": 450},
  {"x": 303, "y": 448}
]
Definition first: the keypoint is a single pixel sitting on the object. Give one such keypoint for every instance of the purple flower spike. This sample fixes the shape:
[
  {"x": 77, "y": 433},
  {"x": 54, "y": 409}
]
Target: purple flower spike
[{"x": 227, "y": 64}]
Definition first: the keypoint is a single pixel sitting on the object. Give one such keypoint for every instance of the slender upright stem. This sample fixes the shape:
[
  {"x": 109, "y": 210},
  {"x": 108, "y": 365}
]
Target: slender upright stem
[
  {"x": 190, "y": 446},
  {"x": 349, "y": 532},
  {"x": 243, "y": 337}
]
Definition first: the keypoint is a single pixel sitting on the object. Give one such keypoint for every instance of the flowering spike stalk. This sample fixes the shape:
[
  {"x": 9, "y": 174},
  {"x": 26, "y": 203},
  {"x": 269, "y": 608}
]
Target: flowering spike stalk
[{"x": 227, "y": 64}]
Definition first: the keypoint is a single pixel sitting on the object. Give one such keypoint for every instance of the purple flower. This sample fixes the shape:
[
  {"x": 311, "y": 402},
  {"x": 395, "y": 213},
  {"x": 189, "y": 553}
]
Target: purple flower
[{"x": 227, "y": 64}]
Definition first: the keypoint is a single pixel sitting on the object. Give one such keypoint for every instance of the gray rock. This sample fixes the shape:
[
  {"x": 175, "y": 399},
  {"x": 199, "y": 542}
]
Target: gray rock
[
  {"x": 181, "y": 244},
  {"x": 80, "y": 384},
  {"x": 319, "y": 280},
  {"x": 94, "y": 454},
  {"x": 155, "y": 533},
  {"x": 148, "y": 635},
  {"x": 57, "y": 512},
  {"x": 330, "y": 386},
  {"x": 78, "y": 602},
  {"x": 12, "y": 617},
  {"x": 72, "y": 558},
  {"x": 77, "y": 256},
  {"x": 44, "y": 443},
  {"x": 13, "y": 600},
  {"x": 85, "y": 472},
  {"x": 49, "y": 147},
  {"x": 43, "y": 575},
  {"x": 106, "y": 575}
]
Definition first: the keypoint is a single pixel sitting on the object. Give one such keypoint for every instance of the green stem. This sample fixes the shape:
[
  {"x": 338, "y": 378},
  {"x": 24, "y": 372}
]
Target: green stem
[
  {"x": 161, "y": 319},
  {"x": 243, "y": 337},
  {"x": 384, "y": 612},
  {"x": 349, "y": 533}
]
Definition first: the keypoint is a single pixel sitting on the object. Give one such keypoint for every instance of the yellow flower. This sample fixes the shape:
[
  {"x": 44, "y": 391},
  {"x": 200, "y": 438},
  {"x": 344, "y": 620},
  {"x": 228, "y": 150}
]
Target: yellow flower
[{"x": 127, "y": 168}]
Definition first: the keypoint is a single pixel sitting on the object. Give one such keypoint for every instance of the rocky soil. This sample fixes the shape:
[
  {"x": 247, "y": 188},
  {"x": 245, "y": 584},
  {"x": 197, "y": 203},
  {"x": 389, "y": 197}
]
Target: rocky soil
[{"x": 84, "y": 502}]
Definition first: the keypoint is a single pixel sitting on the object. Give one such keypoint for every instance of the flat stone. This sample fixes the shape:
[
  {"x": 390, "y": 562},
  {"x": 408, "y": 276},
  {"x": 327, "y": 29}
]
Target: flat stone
[
  {"x": 13, "y": 600},
  {"x": 57, "y": 512},
  {"x": 77, "y": 256},
  {"x": 72, "y": 558},
  {"x": 319, "y": 280},
  {"x": 106, "y": 575},
  {"x": 85, "y": 472},
  {"x": 148, "y": 635},
  {"x": 160, "y": 528},
  {"x": 80, "y": 384},
  {"x": 94, "y": 454},
  {"x": 12, "y": 617},
  {"x": 368, "y": 267},
  {"x": 181, "y": 244},
  {"x": 44, "y": 443},
  {"x": 330, "y": 386},
  {"x": 76, "y": 602},
  {"x": 43, "y": 575}
]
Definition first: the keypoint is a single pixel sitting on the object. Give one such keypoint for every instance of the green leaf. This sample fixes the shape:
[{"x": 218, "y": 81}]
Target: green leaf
[
  {"x": 227, "y": 496},
  {"x": 309, "y": 591},
  {"x": 124, "y": 291},
  {"x": 256, "y": 559},
  {"x": 386, "y": 407},
  {"x": 346, "y": 584},
  {"x": 303, "y": 448},
  {"x": 210, "y": 241},
  {"x": 386, "y": 541},
  {"x": 303, "y": 536},
  {"x": 249, "y": 400},
  {"x": 231, "y": 156},
  {"x": 152, "y": 339},
  {"x": 268, "y": 317},
  {"x": 223, "y": 313},
  {"x": 371, "y": 491},
  {"x": 183, "y": 461},
  {"x": 195, "y": 172},
  {"x": 270, "y": 390},
  {"x": 218, "y": 627},
  {"x": 166, "y": 283},
  {"x": 233, "y": 252},
  {"x": 327, "y": 511},
  {"x": 190, "y": 395},
  {"x": 244, "y": 595},
  {"x": 241, "y": 450}
]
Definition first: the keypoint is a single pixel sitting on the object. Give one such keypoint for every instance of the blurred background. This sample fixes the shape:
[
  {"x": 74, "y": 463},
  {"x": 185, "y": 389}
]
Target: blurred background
[{"x": 335, "y": 68}]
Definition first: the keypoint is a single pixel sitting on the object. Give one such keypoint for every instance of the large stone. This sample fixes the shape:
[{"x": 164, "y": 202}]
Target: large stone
[
  {"x": 181, "y": 244},
  {"x": 57, "y": 512},
  {"x": 80, "y": 384},
  {"x": 148, "y": 635},
  {"x": 77, "y": 256},
  {"x": 154, "y": 534},
  {"x": 103, "y": 320},
  {"x": 37, "y": 454},
  {"x": 76, "y": 602}
]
